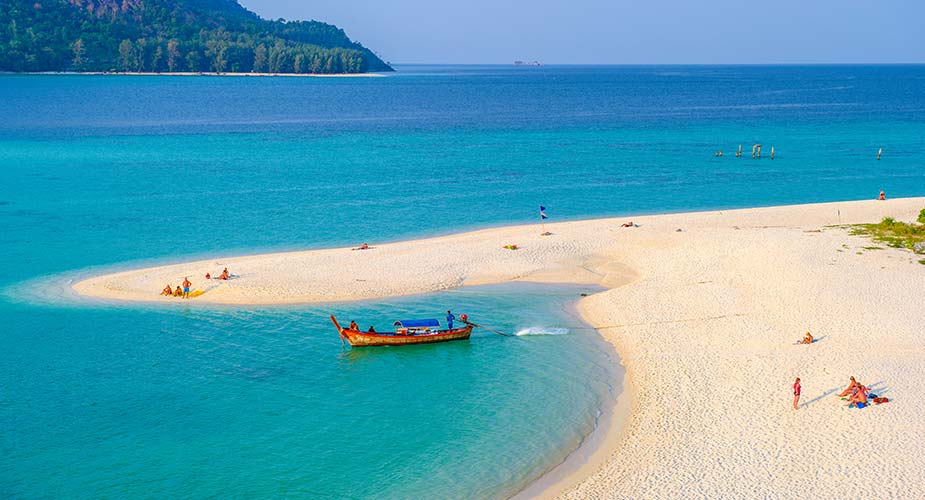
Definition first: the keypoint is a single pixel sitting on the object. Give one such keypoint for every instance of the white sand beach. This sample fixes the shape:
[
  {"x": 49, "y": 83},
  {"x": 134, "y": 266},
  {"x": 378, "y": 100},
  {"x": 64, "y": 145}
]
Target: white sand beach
[{"x": 704, "y": 319}]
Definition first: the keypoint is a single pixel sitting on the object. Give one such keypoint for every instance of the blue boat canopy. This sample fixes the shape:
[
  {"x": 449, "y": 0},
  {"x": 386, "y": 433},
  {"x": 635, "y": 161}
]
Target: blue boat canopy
[{"x": 417, "y": 323}]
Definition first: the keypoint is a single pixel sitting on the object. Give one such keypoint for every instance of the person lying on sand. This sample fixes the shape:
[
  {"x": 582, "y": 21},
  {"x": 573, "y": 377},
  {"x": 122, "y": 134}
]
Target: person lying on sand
[
  {"x": 510, "y": 247},
  {"x": 178, "y": 292},
  {"x": 853, "y": 384},
  {"x": 628, "y": 224},
  {"x": 364, "y": 246},
  {"x": 167, "y": 291},
  {"x": 808, "y": 338},
  {"x": 224, "y": 275}
]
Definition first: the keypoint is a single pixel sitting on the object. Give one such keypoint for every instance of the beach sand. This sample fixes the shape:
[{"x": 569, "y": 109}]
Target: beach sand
[{"x": 704, "y": 320}]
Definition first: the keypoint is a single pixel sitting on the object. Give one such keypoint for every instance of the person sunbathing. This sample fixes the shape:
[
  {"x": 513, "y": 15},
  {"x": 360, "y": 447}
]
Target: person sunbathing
[
  {"x": 853, "y": 384},
  {"x": 808, "y": 338},
  {"x": 224, "y": 275},
  {"x": 364, "y": 246},
  {"x": 628, "y": 224},
  {"x": 167, "y": 291},
  {"x": 178, "y": 292},
  {"x": 859, "y": 396}
]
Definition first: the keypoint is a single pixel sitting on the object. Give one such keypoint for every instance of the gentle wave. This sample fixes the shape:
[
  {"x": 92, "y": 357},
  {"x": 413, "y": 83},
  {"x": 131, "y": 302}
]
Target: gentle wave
[{"x": 538, "y": 330}]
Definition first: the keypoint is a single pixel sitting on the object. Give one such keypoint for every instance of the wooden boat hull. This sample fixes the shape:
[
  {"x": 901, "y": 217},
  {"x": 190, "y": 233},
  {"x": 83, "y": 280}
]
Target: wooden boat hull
[{"x": 364, "y": 339}]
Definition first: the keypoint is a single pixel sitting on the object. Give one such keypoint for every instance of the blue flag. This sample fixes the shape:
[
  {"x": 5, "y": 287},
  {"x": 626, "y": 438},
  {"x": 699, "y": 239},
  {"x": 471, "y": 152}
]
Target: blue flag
[{"x": 543, "y": 212}]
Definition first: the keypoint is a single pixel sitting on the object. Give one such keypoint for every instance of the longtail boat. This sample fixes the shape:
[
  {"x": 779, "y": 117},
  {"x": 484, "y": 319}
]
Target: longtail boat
[{"x": 422, "y": 331}]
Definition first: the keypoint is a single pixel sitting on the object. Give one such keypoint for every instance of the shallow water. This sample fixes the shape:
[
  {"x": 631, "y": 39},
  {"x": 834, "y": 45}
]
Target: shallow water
[
  {"x": 100, "y": 401},
  {"x": 125, "y": 402}
]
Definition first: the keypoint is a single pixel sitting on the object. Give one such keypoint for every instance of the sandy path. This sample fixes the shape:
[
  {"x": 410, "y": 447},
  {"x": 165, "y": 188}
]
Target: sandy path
[{"x": 704, "y": 320}]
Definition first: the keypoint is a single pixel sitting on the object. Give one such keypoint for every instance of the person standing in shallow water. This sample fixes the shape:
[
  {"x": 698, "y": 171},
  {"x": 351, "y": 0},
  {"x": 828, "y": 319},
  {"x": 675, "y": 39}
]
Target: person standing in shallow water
[
  {"x": 449, "y": 320},
  {"x": 797, "y": 388}
]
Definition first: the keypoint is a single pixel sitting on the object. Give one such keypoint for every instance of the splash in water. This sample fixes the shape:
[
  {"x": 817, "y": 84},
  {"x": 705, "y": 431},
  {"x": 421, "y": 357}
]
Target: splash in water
[{"x": 539, "y": 330}]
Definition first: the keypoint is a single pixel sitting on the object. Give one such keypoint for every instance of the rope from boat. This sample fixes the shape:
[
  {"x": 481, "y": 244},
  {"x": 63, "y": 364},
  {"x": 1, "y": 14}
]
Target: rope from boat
[{"x": 489, "y": 329}]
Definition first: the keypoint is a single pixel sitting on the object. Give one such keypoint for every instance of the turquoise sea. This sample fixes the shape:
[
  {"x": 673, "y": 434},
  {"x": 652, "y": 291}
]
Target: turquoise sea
[{"x": 105, "y": 172}]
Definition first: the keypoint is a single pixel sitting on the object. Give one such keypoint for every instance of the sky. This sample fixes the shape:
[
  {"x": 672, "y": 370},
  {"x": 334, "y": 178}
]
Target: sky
[{"x": 622, "y": 31}]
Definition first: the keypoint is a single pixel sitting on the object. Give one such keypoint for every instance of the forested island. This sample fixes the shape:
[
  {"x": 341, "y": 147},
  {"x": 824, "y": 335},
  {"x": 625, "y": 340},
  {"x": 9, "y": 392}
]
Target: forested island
[{"x": 154, "y": 36}]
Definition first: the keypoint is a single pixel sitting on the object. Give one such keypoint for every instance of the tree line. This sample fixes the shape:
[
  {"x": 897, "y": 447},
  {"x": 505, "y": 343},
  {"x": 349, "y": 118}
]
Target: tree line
[{"x": 170, "y": 36}]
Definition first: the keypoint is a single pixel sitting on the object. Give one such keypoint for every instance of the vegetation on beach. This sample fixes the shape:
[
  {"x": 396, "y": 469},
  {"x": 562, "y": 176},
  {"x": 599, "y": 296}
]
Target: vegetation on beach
[
  {"x": 894, "y": 233},
  {"x": 170, "y": 36}
]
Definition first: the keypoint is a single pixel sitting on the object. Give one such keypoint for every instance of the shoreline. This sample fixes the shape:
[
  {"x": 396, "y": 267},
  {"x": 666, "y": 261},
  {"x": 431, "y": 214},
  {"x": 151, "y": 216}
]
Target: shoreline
[
  {"x": 678, "y": 322},
  {"x": 190, "y": 73}
]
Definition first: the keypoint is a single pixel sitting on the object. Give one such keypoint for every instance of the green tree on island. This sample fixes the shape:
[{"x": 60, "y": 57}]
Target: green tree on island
[{"x": 201, "y": 35}]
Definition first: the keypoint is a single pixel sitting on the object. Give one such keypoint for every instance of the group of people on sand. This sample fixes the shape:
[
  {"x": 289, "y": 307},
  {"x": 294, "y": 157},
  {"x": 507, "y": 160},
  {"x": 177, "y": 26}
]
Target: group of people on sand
[
  {"x": 183, "y": 291},
  {"x": 224, "y": 276},
  {"x": 856, "y": 394}
]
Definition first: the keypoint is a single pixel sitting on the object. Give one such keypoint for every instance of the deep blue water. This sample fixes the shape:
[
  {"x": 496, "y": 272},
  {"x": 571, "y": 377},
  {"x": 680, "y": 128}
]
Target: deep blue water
[{"x": 115, "y": 171}]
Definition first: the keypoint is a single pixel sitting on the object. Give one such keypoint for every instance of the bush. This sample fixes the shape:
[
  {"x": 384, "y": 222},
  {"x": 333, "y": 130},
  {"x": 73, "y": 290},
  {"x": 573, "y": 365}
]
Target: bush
[{"x": 921, "y": 218}]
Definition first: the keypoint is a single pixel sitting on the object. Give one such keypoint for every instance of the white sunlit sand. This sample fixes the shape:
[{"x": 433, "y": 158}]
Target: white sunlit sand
[{"x": 705, "y": 322}]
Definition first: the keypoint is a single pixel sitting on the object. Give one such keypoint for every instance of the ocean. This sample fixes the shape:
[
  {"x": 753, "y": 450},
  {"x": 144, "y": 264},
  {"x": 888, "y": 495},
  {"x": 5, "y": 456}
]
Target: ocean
[{"x": 108, "y": 172}]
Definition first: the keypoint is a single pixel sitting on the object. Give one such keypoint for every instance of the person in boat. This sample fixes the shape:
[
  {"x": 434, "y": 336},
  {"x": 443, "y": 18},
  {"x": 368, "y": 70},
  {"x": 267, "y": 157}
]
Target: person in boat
[
  {"x": 808, "y": 338},
  {"x": 449, "y": 320},
  {"x": 371, "y": 329},
  {"x": 354, "y": 326},
  {"x": 168, "y": 291},
  {"x": 178, "y": 292},
  {"x": 853, "y": 384},
  {"x": 224, "y": 275},
  {"x": 186, "y": 287}
]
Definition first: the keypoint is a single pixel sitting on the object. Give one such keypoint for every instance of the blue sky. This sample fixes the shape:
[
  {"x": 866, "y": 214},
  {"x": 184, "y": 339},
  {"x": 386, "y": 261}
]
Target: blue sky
[{"x": 623, "y": 31}]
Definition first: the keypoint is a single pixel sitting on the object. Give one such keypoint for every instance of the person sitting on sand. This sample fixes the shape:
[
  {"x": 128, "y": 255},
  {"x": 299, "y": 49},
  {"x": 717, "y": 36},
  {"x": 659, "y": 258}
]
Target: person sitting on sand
[
  {"x": 354, "y": 326},
  {"x": 224, "y": 275},
  {"x": 882, "y": 196},
  {"x": 178, "y": 292},
  {"x": 859, "y": 396},
  {"x": 853, "y": 384},
  {"x": 808, "y": 338},
  {"x": 371, "y": 329},
  {"x": 167, "y": 291},
  {"x": 208, "y": 276}
]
